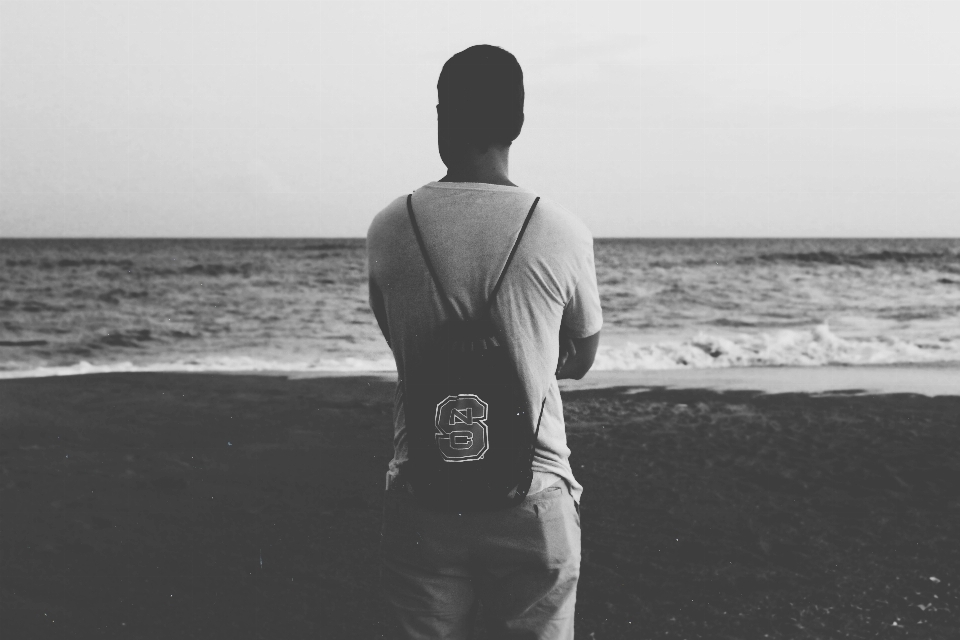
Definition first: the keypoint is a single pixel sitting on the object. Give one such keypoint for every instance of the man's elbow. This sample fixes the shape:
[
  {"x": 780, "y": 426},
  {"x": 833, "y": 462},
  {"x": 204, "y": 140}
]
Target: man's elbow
[
  {"x": 580, "y": 374},
  {"x": 582, "y": 368},
  {"x": 586, "y": 354}
]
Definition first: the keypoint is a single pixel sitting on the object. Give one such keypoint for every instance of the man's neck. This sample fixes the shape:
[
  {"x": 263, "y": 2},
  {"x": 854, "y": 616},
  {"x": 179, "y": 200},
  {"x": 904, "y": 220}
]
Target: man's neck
[
  {"x": 491, "y": 167},
  {"x": 473, "y": 178}
]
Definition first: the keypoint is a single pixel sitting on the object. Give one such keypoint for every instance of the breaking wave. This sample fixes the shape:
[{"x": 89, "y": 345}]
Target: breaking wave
[
  {"x": 211, "y": 365},
  {"x": 814, "y": 347},
  {"x": 818, "y": 346}
]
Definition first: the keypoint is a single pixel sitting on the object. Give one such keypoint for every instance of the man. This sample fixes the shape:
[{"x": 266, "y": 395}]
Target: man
[{"x": 521, "y": 563}]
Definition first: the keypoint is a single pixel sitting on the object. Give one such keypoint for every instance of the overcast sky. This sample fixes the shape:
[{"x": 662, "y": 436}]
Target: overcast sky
[{"x": 667, "y": 118}]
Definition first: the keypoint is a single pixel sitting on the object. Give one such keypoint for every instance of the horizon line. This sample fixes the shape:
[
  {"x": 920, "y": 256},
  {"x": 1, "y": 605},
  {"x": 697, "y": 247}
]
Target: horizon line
[{"x": 363, "y": 238}]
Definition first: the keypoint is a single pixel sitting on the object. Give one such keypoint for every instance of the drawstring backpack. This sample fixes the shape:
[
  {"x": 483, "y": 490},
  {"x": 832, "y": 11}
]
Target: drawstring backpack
[{"x": 470, "y": 439}]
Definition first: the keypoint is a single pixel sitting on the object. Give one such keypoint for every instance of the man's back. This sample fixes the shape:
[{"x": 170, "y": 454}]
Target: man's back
[{"x": 469, "y": 229}]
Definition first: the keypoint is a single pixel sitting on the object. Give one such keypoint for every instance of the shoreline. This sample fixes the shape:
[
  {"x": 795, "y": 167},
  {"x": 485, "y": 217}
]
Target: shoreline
[
  {"x": 924, "y": 379},
  {"x": 928, "y": 379}
]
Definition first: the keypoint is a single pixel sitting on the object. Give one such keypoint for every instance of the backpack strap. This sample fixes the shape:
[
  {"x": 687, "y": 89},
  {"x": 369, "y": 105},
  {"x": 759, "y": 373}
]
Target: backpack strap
[
  {"x": 426, "y": 258},
  {"x": 496, "y": 288},
  {"x": 537, "y": 433},
  {"x": 433, "y": 273}
]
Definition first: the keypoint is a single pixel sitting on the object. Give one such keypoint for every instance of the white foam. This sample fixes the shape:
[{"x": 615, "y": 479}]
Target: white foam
[
  {"x": 928, "y": 380},
  {"x": 213, "y": 365},
  {"x": 815, "y": 347}
]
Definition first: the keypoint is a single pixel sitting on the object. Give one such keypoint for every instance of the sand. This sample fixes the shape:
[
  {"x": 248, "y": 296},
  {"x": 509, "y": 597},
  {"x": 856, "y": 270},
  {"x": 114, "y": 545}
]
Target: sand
[{"x": 159, "y": 505}]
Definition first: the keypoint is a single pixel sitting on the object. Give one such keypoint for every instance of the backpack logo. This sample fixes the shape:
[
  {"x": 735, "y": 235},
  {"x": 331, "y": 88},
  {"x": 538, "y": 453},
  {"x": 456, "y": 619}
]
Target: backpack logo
[{"x": 461, "y": 428}]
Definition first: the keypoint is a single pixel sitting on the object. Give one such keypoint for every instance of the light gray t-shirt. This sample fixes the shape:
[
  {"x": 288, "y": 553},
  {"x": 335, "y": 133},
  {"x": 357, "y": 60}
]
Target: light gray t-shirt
[{"x": 469, "y": 229}]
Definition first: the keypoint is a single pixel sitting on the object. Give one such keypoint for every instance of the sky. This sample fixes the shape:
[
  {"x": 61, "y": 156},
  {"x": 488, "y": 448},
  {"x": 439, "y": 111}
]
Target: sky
[{"x": 668, "y": 118}]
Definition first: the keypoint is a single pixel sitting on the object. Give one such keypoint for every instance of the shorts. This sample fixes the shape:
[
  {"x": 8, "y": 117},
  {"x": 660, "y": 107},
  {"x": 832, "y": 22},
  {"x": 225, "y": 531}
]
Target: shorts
[{"x": 522, "y": 563}]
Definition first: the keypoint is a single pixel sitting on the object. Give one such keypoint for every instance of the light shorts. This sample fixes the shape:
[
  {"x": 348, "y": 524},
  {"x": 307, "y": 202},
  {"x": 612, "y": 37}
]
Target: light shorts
[{"x": 523, "y": 563}]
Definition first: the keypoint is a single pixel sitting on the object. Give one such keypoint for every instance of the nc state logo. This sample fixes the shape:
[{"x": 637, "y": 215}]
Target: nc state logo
[{"x": 461, "y": 428}]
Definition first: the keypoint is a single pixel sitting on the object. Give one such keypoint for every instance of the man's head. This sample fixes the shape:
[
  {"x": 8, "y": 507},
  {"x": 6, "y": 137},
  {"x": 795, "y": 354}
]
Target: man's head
[{"x": 480, "y": 95}]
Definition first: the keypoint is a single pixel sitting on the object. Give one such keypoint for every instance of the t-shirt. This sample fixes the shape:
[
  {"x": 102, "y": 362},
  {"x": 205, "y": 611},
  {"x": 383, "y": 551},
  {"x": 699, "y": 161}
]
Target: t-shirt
[{"x": 469, "y": 229}]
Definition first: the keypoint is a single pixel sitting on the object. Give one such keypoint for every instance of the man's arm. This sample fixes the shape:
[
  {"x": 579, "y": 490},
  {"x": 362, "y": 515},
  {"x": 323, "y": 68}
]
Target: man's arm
[
  {"x": 576, "y": 355},
  {"x": 376, "y": 303},
  {"x": 581, "y": 314}
]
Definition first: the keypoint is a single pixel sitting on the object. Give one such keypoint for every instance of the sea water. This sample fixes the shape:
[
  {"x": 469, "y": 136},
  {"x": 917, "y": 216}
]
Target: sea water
[{"x": 81, "y": 306}]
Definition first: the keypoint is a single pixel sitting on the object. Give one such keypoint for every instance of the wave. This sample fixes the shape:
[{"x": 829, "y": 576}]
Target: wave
[
  {"x": 231, "y": 364},
  {"x": 113, "y": 296},
  {"x": 202, "y": 269},
  {"x": 126, "y": 339},
  {"x": 856, "y": 259},
  {"x": 817, "y": 346},
  {"x": 69, "y": 263},
  {"x": 335, "y": 245},
  {"x": 243, "y": 269}
]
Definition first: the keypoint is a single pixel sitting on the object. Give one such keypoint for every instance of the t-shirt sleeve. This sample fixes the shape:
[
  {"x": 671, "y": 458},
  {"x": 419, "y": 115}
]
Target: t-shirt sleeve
[{"x": 583, "y": 317}]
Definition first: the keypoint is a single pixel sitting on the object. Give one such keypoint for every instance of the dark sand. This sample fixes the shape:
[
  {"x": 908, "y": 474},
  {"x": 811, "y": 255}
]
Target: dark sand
[{"x": 126, "y": 513}]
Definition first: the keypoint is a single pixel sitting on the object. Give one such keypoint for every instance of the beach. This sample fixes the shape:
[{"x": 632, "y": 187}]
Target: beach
[{"x": 159, "y": 505}]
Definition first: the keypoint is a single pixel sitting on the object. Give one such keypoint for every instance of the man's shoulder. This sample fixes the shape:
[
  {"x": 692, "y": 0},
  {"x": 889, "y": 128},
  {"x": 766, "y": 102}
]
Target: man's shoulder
[
  {"x": 561, "y": 224},
  {"x": 385, "y": 222}
]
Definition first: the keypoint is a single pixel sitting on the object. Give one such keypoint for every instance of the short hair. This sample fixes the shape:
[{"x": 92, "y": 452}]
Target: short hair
[{"x": 481, "y": 91}]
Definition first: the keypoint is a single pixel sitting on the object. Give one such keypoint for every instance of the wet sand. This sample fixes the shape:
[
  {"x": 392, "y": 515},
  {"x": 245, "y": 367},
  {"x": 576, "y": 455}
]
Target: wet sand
[{"x": 159, "y": 505}]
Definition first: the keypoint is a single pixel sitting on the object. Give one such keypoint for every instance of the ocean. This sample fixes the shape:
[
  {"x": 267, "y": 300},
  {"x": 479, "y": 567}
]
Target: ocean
[{"x": 99, "y": 305}]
